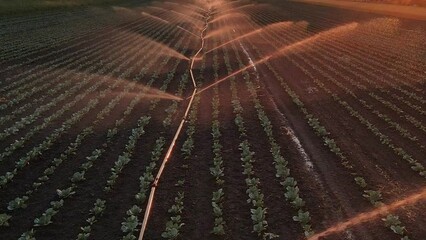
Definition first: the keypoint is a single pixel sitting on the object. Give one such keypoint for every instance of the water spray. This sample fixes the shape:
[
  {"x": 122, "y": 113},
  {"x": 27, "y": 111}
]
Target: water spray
[
  {"x": 176, "y": 136},
  {"x": 183, "y": 29},
  {"x": 155, "y": 17},
  {"x": 284, "y": 50},
  {"x": 371, "y": 215}
]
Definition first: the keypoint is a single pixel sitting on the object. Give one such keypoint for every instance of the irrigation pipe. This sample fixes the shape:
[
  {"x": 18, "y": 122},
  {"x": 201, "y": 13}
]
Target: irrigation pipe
[{"x": 177, "y": 134}]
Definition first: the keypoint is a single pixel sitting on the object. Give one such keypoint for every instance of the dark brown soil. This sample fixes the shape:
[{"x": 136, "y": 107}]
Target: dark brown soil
[{"x": 328, "y": 188}]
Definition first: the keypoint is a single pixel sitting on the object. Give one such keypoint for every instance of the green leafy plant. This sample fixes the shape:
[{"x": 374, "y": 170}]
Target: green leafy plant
[
  {"x": 65, "y": 193},
  {"x": 302, "y": 217},
  {"x": 391, "y": 220},
  {"x": 130, "y": 224},
  {"x": 99, "y": 207},
  {"x": 172, "y": 229},
  {"x": 57, "y": 204},
  {"x": 85, "y": 234},
  {"x": 46, "y": 218},
  {"x": 77, "y": 177},
  {"x": 28, "y": 235},
  {"x": 175, "y": 223},
  {"x": 400, "y": 230},
  {"x": 258, "y": 216},
  {"x": 373, "y": 196},
  {"x": 4, "y": 220},
  {"x": 18, "y": 203},
  {"x": 361, "y": 182},
  {"x": 180, "y": 183}
]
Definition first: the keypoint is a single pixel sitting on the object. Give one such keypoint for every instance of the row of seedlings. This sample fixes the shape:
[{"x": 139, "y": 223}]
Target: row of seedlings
[
  {"x": 27, "y": 83},
  {"x": 65, "y": 32},
  {"x": 258, "y": 210},
  {"x": 281, "y": 164},
  {"x": 373, "y": 196},
  {"x": 71, "y": 150},
  {"x": 384, "y": 139},
  {"x": 99, "y": 204},
  {"x": 94, "y": 64},
  {"x": 217, "y": 171},
  {"x": 129, "y": 226}
]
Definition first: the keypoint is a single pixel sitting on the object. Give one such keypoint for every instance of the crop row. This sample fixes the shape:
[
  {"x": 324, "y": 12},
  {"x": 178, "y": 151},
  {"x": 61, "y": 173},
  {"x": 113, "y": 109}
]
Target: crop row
[
  {"x": 386, "y": 140},
  {"x": 73, "y": 147},
  {"x": 305, "y": 58},
  {"x": 217, "y": 171},
  {"x": 372, "y": 195},
  {"x": 56, "y": 101},
  {"x": 24, "y": 42},
  {"x": 102, "y": 114},
  {"x": 255, "y": 196},
  {"x": 130, "y": 223}
]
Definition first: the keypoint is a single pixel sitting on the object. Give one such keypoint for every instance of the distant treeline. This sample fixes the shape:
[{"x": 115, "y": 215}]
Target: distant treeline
[
  {"x": 421, "y": 3},
  {"x": 22, "y": 6}
]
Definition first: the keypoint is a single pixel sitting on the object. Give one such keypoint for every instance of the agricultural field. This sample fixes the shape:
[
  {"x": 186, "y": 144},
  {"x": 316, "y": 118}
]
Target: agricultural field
[
  {"x": 212, "y": 119},
  {"x": 420, "y": 3},
  {"x": 29, "y": 6}
]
